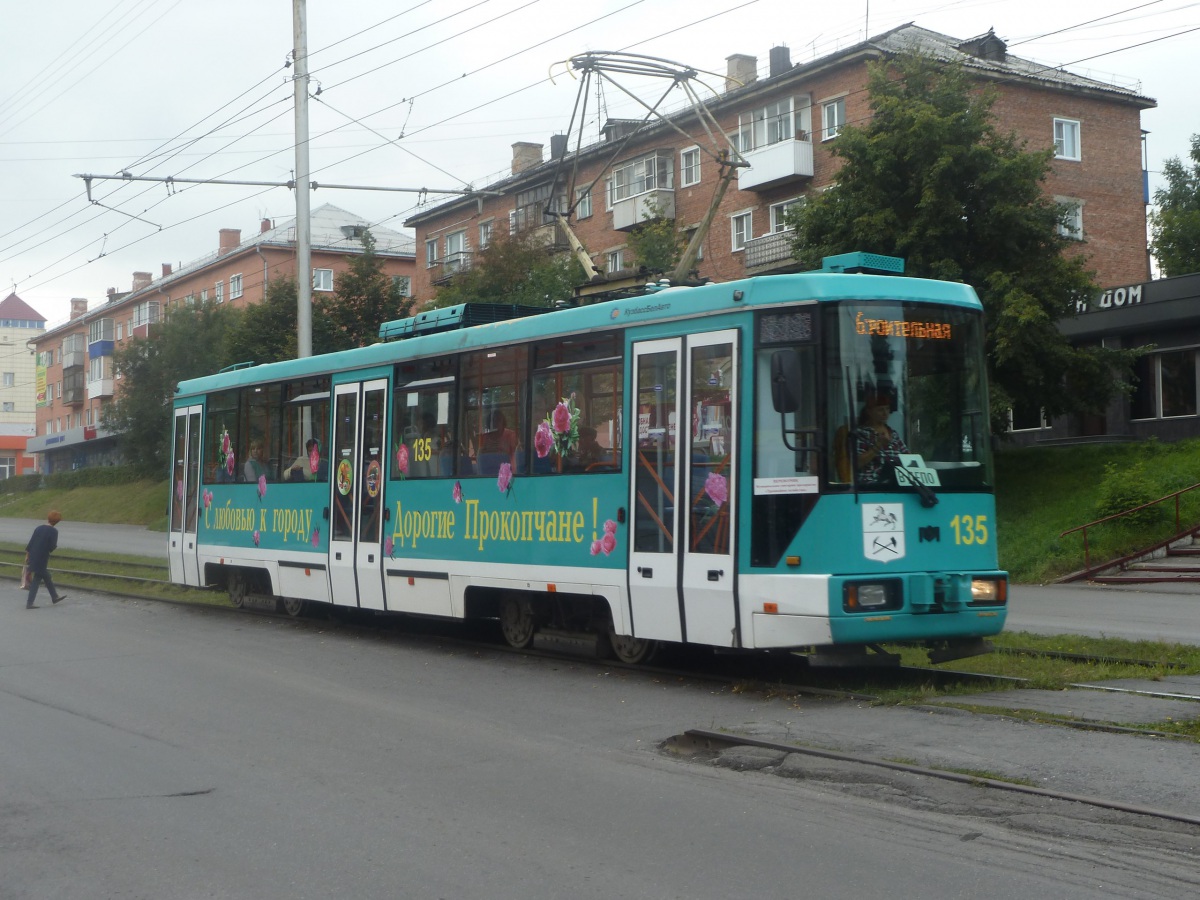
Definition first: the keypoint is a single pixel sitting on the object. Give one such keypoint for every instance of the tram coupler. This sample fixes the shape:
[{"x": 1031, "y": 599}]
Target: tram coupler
[{"x": 851, "y": 657}]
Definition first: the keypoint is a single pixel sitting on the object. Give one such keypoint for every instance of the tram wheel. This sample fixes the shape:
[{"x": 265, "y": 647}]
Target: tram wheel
[
  {"x": 239, "y": 589},
  {"x": 293, "y": 606},
  {"x": 631, "y": 650},
  {"x": 516, "y": 621}
]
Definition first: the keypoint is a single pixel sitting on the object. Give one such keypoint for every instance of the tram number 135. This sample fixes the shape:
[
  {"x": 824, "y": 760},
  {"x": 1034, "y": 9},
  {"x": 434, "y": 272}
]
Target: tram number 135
[{"x": 970, "y": 529}]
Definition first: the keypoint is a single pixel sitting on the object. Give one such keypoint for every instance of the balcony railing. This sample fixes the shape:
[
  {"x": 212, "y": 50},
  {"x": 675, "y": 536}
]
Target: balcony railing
[
  {"x": 769, "y": 249},
  {"x": 642, "y": 208},
  {"x": 776, "y": 164},
  {"x": 451, "y": 265},
  {"x": 101, "y": 387}
]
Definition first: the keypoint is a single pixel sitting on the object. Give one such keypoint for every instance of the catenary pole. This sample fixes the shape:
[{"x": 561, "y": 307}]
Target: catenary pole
[{"x": 303, "y": 214}]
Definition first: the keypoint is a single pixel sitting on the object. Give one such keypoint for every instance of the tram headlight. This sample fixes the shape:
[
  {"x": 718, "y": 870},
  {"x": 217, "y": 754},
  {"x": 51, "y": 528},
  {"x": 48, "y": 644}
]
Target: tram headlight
[
  {"x": 989, "y": 591},
  {"x": 866, "y": 596}
]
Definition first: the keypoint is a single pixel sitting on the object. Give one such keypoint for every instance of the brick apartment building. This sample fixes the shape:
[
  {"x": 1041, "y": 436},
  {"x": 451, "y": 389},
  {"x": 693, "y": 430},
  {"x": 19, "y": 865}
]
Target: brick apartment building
[
  {"x": 75, "y": 359},
  {"x": 784, "y": 125}
]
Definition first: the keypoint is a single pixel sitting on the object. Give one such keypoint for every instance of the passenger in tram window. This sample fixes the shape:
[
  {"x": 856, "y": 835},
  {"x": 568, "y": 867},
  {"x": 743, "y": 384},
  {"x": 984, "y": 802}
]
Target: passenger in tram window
[
  {"x": 256, "y": 466},
  {"x": 499, "y": 445},
  {"x": 590, "y": 450},
  {"x": 301, "y": 469}
]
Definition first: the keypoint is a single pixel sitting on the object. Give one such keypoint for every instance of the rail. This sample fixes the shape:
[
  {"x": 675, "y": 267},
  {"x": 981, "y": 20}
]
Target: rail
[{"x": 1179, "y": 533}]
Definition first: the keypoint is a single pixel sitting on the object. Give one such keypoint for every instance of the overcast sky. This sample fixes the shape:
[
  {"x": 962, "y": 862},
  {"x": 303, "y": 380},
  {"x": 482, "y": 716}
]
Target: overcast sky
[{"x": 414, "y": 94}]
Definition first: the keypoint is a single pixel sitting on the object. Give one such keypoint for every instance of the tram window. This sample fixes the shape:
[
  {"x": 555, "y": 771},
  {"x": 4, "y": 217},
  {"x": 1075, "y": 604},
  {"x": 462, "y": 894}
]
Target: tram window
[
  {"x": 258, "y": 436},
  {"x": 493, "y": 416},
  {"x": 423, "y": 419},
  {"x": 575, "y": 423},
  {"x": 220, "y": 438},
  {"x": 305, "y": 419}
]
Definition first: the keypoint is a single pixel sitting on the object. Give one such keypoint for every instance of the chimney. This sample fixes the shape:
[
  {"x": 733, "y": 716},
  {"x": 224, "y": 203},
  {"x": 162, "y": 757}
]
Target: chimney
[
  {"x": 741, "y": 70},
  {"x": 525, "y": 156},
  {"x": 141, "y": 280},
  {"x": 230, "y": 238},
  {"x": 265, "y": 226},
  {"x": 78, "y": 307},
  {"x": 166, "y": 269},
  {"x": 781, "y": 60},
  {"x": 558, "y": 146}
]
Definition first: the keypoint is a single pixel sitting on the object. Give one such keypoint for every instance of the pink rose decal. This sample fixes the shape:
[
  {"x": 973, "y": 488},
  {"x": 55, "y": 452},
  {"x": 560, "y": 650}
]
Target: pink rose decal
[
  {"x": 608, "y": 543},
  {"x": 543, "y": 440},
  {"x": 229, "y": 463},
  {"x": 458, "y": 492},
  {"x": 716, "y": 487},
  {"x": 256, "y": 537},
  {"x": 504, "y": 480},
  {"x": 402, "y": 459},
  {"x": 225, "y": 448},
  {"x": 561, "y": 418},
  {"x": 314, "y": 458},
  {"x": 596, "y": 548},
  {"x": 208, "y": 498},
  {"x": 262, "y": 486},
  {"x": 610, "y": 527},
  {"x": 316, "y": 538},
  {"x": 388, "y": 546}
]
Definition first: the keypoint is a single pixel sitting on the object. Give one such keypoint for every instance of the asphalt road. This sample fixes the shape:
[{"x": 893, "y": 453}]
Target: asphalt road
[{"x": 156, "y": 751}]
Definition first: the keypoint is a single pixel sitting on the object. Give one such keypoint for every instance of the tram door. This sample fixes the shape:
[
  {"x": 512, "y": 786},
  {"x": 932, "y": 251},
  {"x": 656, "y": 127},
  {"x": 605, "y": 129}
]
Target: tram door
[
  {"x": 356, "y": 512},
  {"x": 681, "y": 574},
  {"x": 185, "y": 490}
]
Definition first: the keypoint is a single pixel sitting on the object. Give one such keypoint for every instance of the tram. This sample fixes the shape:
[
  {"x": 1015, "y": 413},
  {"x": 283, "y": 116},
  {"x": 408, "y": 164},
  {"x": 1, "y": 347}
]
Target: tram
[{"x": 797, "y": 462}]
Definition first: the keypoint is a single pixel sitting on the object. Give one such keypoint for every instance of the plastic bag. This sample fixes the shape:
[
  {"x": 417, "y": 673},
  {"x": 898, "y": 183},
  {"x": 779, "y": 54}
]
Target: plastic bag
[{"x": 24, "y": 577}]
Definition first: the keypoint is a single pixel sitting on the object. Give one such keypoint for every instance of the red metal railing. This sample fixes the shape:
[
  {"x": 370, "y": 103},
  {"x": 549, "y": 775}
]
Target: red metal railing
[{"x": 1087, "y": 561}]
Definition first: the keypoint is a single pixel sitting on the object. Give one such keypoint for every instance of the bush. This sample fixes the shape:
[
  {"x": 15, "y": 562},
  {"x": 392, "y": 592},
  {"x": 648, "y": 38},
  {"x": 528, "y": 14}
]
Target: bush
[
  {"x": 21, "y": 484},
  {"x": 98, "y": 476},
  {"x": 1125, "y": 487}
]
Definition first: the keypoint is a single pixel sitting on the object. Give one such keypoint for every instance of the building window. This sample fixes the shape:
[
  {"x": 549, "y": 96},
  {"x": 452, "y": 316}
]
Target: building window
[
  {"x": 1177, "y": 372},
  {"x": 688, "y": 235},
  {"x": 10, "y": 379},
  {"x": 689, "y": 166},
  {"x": 431, "y": 256},
  {"x": 1066, "y": 139},
  {"x": 833, "y": 118},
  {"x": 204, "y": 295},
  {"x": 322, "y": 279},
  {"x": 615, "y": 261},
  {"x": 456, "y": 252},
  {"x": 9, "y": 406},
  {"x": 1071, "y": 226},
  {"x": 219, "y": 292},
  {"x": 779, "y": 214},
  {"x": 235, "y": 286},
  {"x": 485, "y": 234},
  {"x": 403, "y": 285},
  {"x": 741, "y": 226},
  {"x": 583, "y": 203},
  {"x": 766, "y": 126},
  {"x": 653, "y": 172}
]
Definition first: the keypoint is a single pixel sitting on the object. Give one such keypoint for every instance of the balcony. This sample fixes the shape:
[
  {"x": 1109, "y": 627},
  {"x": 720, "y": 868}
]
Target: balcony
[
  {"x": 101, "y": 387},
  {"x": 73, "y": 359},
  {"x": 447, "y": 268},
  {"x": 776, "y": 165},
  {"x": 769, "y": 250},
  {"x": 74, "y": 396},
  {"x": 641, "y": 208}
]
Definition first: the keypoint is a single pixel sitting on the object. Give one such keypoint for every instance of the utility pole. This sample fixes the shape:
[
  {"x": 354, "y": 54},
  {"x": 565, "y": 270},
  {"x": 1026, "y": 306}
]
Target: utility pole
[{"x": 303, "y": 215}]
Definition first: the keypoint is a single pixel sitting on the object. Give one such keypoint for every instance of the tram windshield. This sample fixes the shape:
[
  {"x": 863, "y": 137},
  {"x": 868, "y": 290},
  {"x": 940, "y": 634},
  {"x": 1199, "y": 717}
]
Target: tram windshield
[{"x": 905, "y": 397}]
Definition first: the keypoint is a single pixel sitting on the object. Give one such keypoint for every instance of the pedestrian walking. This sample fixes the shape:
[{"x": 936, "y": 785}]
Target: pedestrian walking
[{"x": 42, "y": 543}]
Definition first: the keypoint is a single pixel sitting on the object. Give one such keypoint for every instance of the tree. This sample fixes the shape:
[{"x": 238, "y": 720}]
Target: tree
[
  {"x": 189, "y": 342},
  {"x": 365, "y": 297},
  {"x": 266, "y": 331},
  {"x": 656, "y": 242},
  {"x": 516, "y": 269},
  {"x": 929, "y": 179},
  {"x": 1175, "y": 224}
]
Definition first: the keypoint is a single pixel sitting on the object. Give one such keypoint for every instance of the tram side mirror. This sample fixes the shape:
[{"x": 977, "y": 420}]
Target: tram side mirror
[{"x": 785, "y": 381}]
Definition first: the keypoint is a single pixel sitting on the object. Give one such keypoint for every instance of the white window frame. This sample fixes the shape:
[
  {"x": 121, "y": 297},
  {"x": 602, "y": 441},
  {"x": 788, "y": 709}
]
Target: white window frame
[
  {"x": 583, "y": 203},
  {"x": 219, "y": 292},
  {"x": 403, "y": 284},
  {"x": 689, "y": 166},
  {"x": 1067, "y": 139},
  {"x": 777, "y": 211},
  {"x": 614, "y": 260},
  {"x": 651, "y": 172},
  {"x": 485, "y": 233},
  {"x": 833, "y": 117},
  {"x": 431, "y": 253},
  {"x": 767, "y": 125},
  {"x": 322, "y": 280},
  {"x": 741, "y": 229},
  {"x": 1073, "y": 230},
  {"x": 235, "y": 286},
  {"x": 10, "y": 379}
]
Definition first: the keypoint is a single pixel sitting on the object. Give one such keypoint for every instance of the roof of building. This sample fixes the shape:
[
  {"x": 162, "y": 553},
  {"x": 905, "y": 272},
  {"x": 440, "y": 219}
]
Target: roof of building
[{"x": 13, "y": 307}]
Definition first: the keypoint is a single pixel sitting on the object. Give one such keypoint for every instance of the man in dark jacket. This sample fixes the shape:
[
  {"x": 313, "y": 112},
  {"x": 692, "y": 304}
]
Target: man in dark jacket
[{"x": 37, "y": 556}]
